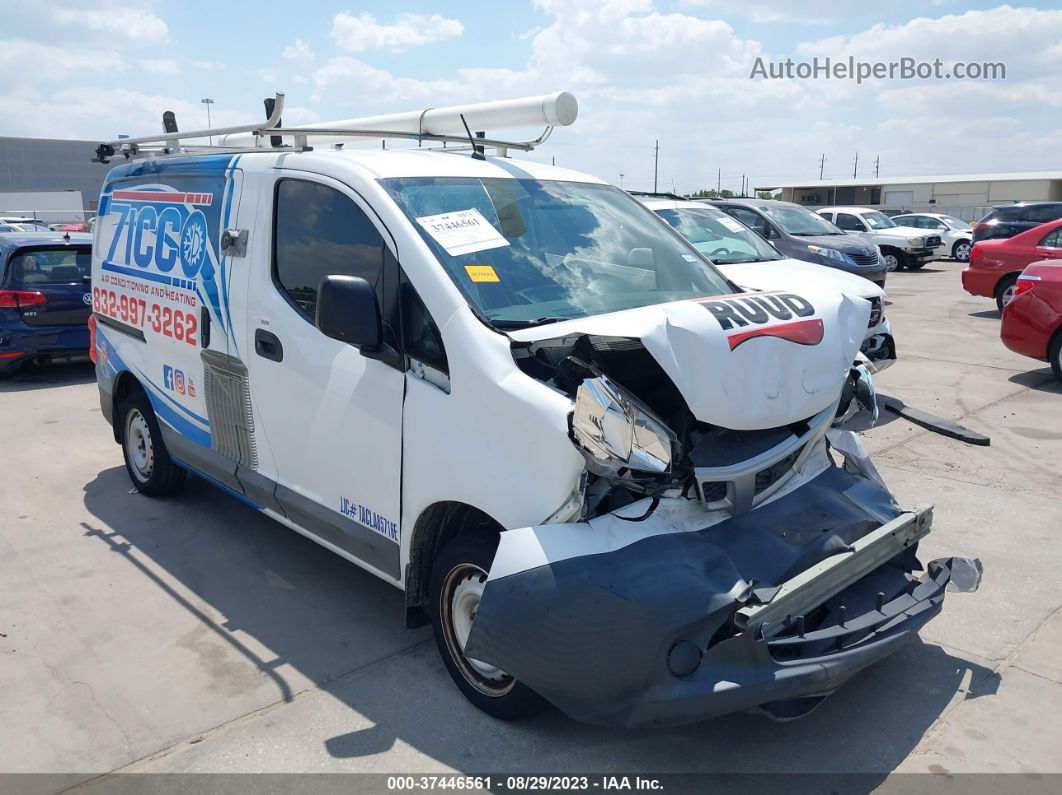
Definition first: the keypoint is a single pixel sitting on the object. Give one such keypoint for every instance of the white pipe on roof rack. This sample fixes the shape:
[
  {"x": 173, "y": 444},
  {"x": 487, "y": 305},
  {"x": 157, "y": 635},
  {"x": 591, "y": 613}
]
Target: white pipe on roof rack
[{"x": 557, "y": 109}]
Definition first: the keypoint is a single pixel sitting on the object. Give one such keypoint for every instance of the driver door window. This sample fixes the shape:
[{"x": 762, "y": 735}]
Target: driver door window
[
  {"x": 753, "y": 220},
  {"x": 850, "y": 223},
  {"x": 320, "y": 232}
]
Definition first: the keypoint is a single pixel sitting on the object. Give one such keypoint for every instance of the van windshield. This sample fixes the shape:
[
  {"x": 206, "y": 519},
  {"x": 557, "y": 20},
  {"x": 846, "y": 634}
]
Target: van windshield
[{"x": 526, "y": 252}]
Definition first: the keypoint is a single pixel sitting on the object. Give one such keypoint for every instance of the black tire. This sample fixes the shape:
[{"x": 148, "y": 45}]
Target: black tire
[
  {"x": 961, "y": 250},
  {"x": 147, "y": 460},
  {"x": 1005, "y": 290},
  {"x": 1054, "y": 355},
  {"x": 462, "y": 560},
  {"x": 894, "y": 260}
]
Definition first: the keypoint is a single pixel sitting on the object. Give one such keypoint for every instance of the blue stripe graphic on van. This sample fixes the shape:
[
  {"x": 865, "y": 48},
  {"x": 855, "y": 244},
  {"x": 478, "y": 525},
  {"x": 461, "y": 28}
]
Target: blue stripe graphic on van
[
  {"x": 177, "y": 405},
  {"x": 177, "y": 422}
]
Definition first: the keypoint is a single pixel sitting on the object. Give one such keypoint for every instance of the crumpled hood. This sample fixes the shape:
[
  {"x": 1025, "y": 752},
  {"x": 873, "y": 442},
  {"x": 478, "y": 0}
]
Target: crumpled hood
[
  {"x": 745, "y": 361},
  {"x": 794, "y": 274}
]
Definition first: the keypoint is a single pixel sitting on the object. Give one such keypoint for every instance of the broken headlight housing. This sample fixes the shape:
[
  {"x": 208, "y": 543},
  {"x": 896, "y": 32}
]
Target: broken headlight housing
[{"x": 617, "y": 432}]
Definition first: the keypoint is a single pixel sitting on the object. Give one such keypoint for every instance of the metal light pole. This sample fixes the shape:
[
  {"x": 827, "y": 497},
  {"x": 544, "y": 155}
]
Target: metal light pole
[
  {"x": 621, "y": 180},
  {"x": 208, "y": 102}
]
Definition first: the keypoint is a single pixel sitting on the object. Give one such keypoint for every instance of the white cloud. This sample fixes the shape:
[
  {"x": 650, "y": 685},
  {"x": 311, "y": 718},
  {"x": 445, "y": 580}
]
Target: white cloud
[
  {"x": 362, "y": 32},
  {"x": 32, "y": 60},
  {"x": 300, "y": 52},
  {"x": 160, "y": 66},
  {"x": 814, "y": 12},
  {"x": 995, "y": 34},
  {"x": 136, "y": 24}
]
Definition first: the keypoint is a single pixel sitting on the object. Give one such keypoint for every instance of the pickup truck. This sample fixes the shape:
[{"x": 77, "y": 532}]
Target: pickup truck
[{"x": 901, "y": 246}]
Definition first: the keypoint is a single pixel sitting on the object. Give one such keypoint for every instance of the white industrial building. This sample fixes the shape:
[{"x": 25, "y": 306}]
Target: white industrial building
[{"x": 968, "y": 196}]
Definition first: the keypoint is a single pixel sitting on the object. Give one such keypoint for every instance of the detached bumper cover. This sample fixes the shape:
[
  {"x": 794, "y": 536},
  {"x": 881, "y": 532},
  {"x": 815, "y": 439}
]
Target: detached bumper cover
[{"x": 681, "y": 626}]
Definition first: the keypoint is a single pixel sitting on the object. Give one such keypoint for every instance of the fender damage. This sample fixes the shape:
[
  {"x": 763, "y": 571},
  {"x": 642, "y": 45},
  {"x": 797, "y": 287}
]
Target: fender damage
[
  {"x": 630, "y": 621},
  {"x": 741, "y": 554}
]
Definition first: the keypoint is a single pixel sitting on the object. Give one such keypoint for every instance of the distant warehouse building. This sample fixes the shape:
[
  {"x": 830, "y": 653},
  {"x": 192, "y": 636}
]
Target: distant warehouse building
[
  {"x": 40, "y": 174},
  {"x": 968, "y": 196}
]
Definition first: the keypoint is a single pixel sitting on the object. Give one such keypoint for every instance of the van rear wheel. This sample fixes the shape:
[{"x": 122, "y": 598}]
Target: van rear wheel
[
  {"x": 458, "y": 578},
  {"x": 147, "y": 461}
]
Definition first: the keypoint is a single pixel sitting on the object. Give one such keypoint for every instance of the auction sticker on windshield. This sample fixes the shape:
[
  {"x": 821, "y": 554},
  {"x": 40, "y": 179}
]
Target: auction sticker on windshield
[
  {"x": 462, "y": 232},
  {"x": 731, "y": 224},
  {"x": 482, "y": 274}
]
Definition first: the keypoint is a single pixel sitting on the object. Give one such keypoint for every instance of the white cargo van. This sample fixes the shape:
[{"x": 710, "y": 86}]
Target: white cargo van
[{"x": 609, "y": 479}]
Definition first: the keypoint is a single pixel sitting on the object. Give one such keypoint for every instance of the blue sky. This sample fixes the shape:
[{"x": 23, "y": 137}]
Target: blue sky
[{"x": 673, "y": 70}]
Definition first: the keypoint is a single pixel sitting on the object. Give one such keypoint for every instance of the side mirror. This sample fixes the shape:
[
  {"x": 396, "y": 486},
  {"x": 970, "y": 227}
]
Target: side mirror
[{"x": 347, "y": 310}]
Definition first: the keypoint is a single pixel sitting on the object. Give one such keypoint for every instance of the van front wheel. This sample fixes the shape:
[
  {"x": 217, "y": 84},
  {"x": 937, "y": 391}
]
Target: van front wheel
[
  {"x": 147, "y": 461},
  {"x": 458, "y": 578}
]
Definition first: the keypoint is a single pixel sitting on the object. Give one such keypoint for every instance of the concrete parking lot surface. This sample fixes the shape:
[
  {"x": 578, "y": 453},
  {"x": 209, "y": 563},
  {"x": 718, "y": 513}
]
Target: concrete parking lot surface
[{"x": 192, "y": 634}]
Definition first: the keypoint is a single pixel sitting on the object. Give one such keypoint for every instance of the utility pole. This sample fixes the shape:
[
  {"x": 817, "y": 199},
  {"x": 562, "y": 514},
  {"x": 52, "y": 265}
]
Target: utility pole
[
  {"x": 877, "y": 163},
  {"x": 718, "y": 181},
  {"x": 855, "y": 168},
  {"x": 822, "y": 164},
  {"x": 656, "y": 162},
  {"x": 621, "y": 180}
]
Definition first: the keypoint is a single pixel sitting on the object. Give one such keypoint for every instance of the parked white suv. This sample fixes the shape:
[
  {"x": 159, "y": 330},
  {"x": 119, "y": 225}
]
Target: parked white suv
[
  {"x": 956, "y": 234},
  {"x": 901, "y": 246}
]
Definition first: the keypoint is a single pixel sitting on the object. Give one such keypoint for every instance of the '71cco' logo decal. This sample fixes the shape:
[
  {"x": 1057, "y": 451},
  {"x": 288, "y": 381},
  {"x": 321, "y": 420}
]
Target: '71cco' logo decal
[{"x": 767, "y": 315}]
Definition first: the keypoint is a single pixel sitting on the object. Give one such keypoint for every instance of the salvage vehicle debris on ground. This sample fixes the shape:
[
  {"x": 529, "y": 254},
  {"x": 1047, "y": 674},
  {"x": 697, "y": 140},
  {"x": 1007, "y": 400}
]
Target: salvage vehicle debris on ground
[{"x": 610, "y": 479}]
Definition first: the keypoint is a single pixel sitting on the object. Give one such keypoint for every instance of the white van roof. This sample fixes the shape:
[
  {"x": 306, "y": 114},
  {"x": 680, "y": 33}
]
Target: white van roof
[{"x": 413, "y": 162}]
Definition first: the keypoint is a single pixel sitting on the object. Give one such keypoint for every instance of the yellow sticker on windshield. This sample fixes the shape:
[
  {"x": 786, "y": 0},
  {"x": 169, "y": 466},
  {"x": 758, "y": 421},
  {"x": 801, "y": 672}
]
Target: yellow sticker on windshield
[{"x": 481, "y": 273}]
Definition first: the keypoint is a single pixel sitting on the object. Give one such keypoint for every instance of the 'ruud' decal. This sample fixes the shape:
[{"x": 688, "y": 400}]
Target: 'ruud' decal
[{"x": 773, "y": 315}]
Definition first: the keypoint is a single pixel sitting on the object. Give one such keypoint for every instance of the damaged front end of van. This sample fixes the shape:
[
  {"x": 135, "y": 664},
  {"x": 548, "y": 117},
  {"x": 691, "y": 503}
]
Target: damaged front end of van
[{"x": 730, "y": 546}]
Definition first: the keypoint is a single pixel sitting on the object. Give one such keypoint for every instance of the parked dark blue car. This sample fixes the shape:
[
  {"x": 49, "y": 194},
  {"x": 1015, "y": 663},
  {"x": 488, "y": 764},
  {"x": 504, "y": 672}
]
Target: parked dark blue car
[{"x": 45, "y": 297}]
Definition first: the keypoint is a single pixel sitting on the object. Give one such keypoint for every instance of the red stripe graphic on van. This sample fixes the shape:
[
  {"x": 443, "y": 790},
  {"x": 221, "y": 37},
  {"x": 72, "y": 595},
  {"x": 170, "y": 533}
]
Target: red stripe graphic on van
[
  {"x": 205, "y": 199},
  {"x": 802, "y": 332}
]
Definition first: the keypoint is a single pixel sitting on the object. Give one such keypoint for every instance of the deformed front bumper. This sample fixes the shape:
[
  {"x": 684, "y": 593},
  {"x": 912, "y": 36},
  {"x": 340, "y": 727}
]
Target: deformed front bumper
[{"x": 653, "y": 622}]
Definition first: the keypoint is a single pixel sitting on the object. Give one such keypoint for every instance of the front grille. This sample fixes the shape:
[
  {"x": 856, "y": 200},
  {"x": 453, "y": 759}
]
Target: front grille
[
  {"x": 932, "y": 241},
  {"x": 768, "y": 476},
  {"x": 865, "y": 260},
  {"x": 875, "y": 312}
]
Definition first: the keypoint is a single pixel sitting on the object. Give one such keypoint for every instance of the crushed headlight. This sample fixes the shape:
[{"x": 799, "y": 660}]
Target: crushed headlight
[{"x": 617, "y": 431}]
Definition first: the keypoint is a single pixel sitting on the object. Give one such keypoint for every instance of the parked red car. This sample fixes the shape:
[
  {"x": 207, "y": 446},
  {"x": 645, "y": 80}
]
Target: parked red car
[
  {"x": 995, "y": 264},
  {"x": 1032, "y": 321}
]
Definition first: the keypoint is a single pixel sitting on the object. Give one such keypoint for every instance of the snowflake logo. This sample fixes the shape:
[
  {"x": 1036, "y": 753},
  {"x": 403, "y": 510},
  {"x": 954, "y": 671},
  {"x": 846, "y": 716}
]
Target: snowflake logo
[{"x": 193, "y": 244}]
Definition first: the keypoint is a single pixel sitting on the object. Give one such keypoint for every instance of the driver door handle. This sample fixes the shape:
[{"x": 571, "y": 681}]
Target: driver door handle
[{"x": 267, "y": 345}]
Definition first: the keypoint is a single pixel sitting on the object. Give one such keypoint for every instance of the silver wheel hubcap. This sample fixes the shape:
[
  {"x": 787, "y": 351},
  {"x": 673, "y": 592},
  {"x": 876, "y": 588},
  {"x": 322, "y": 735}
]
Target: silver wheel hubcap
[
  {"x": 1008, "y": 294},
  {"x": 891, "y": 262},
  {"x": 962, "y": 253},
  {"x": 465, "y": 584},
  {"x": 138, "y": 446}
]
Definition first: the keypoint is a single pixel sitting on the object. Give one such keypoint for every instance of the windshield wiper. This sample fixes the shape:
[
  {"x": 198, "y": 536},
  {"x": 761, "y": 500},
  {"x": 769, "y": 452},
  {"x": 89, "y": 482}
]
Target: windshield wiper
[{"x": 512, "y": 325}]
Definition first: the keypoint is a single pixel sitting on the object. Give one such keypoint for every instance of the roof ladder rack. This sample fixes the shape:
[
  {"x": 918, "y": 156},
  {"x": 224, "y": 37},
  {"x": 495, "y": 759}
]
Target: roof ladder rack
[{"x": 431, "y": 124}]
